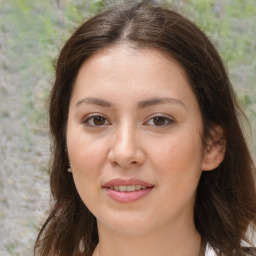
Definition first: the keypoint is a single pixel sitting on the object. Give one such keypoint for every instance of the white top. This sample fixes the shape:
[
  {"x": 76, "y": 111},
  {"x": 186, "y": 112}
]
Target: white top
[{"x": 209, "y": 251}]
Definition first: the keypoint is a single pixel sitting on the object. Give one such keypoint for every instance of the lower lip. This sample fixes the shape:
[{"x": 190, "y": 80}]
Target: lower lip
[{"x": 127, "y": 197}]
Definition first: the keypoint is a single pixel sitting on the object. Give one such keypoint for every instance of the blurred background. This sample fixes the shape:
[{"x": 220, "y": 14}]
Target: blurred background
[{"x": 31, "y": 34}]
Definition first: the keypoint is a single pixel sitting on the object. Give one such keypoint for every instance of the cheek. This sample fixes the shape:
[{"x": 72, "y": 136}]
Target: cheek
[
  {"x": 178, "y": 161},
  {"x": 179, "y": 151},
  {"x": 87, "y": 158},
  {"x": 178, "y": 168},
  {"x": 84, "y": 151}
]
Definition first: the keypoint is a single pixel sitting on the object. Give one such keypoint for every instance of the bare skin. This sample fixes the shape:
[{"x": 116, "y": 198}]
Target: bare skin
[{"x": 133, "y": 116}]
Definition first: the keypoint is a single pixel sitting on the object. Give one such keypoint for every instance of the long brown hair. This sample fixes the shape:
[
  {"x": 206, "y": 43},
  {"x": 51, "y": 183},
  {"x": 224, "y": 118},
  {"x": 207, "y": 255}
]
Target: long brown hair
[{"x": 226, "y": 199}]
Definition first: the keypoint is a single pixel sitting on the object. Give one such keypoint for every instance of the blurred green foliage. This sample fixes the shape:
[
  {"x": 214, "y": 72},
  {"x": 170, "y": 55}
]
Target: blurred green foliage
[
  {"x": 32, "y": 33},
  {"x": 35, "y": 31}
]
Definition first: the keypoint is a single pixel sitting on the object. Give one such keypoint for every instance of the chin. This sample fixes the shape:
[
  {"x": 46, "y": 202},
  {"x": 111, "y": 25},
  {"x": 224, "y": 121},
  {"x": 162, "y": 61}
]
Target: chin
[
  {"x": 128, "y": 225},
  {"x": 131, "y": 230}
]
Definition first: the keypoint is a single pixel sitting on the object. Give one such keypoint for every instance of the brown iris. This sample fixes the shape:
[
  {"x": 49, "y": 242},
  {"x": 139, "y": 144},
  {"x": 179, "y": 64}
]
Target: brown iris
[
  {"x": 159, "y": 120},
  {"x": 99, "y": 120}
]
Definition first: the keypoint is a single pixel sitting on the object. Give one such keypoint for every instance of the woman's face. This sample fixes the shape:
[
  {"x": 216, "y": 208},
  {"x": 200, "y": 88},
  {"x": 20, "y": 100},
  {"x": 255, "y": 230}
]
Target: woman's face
[{"x": 134, "y": 140}]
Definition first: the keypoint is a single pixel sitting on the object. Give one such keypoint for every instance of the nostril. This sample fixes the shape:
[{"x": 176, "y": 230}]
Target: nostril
[
  {"x": 126, "y": 165},
  {"x": 124, "y": 157}
]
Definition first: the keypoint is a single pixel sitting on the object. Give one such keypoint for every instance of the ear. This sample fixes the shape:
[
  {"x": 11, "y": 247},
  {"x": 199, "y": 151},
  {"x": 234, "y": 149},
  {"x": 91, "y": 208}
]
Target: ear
[{"x": 215, "y": 149}]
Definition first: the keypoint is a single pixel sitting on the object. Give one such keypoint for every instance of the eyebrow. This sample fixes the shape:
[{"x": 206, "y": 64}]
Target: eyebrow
[
  {"x": 94, "y": 101},
  {"x": 140, "y": 105},
  {"x": 156, "y": 101}
]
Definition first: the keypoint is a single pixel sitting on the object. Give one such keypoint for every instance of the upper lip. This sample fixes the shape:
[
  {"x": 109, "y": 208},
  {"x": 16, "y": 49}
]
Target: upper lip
[{"x": 126, "y": 182}]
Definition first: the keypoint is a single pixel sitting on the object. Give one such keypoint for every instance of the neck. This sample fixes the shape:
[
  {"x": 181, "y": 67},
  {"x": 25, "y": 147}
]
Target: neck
[{"x": 182, "y": 242}]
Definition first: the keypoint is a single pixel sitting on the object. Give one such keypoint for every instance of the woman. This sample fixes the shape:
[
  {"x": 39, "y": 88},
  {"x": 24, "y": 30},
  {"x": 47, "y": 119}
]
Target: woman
[{"x": 149, "y": 157}]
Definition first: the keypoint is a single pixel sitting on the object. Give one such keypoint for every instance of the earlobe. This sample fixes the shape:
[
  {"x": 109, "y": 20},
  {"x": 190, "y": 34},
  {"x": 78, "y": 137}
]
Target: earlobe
[{"x": 214, "y": 150}]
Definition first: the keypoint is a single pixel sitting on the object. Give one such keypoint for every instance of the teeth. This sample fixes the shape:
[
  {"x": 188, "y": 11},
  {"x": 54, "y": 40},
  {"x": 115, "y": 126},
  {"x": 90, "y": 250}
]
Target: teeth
[
  {"x": 128, "y": 188},
  {"x": 122, "y": 188},
  {"x": 138, "y": 187}
]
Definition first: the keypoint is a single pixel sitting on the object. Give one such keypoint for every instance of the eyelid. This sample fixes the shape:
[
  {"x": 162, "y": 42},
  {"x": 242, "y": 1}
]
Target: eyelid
[
  {"x": 89, "y": 117},
  {"x": 86, "y": 119},
  {"x": 169, "y": 118}
]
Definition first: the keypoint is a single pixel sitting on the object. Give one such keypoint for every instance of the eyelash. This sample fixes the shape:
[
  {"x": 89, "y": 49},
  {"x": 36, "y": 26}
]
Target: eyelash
[
  {"x": 167, "y": 120},
  {"x": 91, "y": 118}
]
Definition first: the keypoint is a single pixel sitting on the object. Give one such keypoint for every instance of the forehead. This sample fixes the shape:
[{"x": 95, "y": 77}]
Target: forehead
[
  {"x": 122, "y": 71},
  {"x": 125, "y": 52},
  {"x": 145, "y": 61}
]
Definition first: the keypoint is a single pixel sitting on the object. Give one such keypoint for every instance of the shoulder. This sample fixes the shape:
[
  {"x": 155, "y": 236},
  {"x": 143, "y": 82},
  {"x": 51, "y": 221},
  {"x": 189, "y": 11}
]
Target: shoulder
[
  {"x": 209, "y": 251},
  {"x": 248, "y": 251}
]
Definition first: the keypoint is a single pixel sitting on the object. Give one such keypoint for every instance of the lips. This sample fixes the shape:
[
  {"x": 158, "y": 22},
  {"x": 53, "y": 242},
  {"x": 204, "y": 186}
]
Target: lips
[
  {"x": 126, "y": 191},
  {"x": 129, "y": 182}
]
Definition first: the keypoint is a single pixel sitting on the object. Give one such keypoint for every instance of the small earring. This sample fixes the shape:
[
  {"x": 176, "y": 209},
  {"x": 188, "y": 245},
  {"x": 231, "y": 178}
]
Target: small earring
[{"x": 69, "y": 168}]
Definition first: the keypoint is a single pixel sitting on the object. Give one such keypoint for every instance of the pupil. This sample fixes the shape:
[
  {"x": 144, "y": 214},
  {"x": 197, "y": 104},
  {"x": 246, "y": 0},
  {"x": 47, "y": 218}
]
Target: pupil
[
  {"x": 98, "y": 120},
  {"x": 159, "y": 120}
]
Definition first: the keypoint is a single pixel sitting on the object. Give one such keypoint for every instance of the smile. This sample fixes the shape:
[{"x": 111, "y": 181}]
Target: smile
[
  {"x": 127, "y": 191},
  {"x": 128, "y": 188}
]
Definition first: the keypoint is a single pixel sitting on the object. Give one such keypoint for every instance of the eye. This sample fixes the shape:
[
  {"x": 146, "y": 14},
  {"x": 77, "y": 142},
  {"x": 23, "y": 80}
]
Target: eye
[
  {"x": 96, "y": 120},
  {"x": 159, "y": 120}
]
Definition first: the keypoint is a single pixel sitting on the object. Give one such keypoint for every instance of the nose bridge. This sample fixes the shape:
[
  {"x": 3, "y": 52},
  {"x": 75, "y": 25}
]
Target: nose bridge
[
  {"x": 125, "y": 139},
  {"x": 126, "y": 148}
]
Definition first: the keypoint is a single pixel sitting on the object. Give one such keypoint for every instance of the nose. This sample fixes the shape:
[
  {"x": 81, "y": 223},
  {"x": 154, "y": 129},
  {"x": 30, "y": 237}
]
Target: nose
[{"x": 126, "y": 149}]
